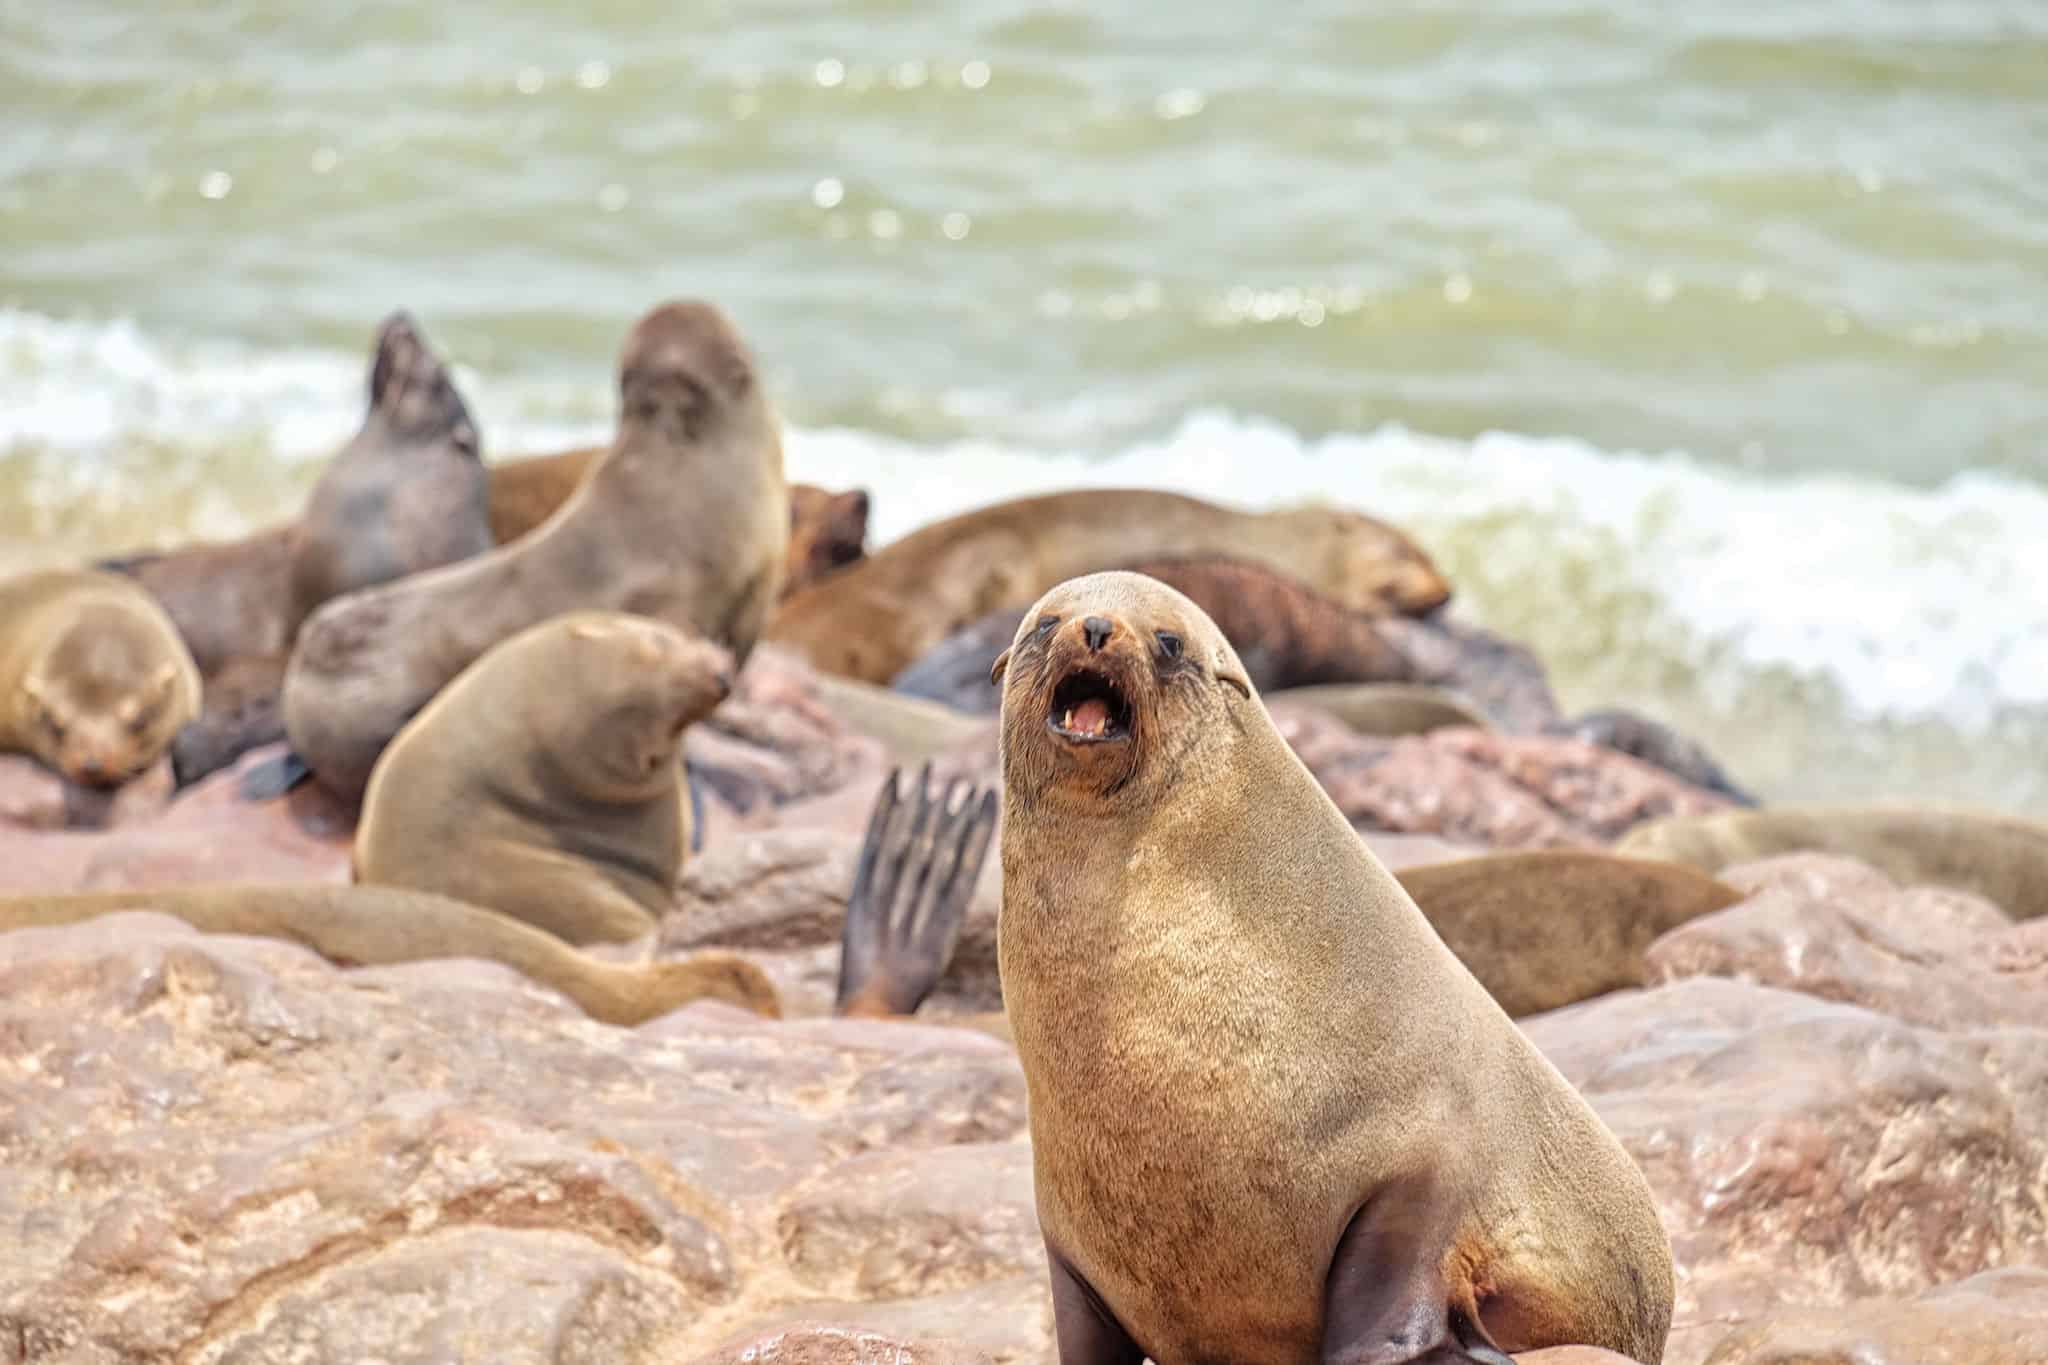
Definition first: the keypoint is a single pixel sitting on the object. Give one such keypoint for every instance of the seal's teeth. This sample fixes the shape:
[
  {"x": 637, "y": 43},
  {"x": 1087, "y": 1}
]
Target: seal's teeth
[{"x": 1067, "y": 719}]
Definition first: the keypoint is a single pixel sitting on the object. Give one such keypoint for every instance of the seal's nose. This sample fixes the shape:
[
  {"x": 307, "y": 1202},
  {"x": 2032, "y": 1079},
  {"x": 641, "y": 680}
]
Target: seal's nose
[{"x": 1098, "y": 629}]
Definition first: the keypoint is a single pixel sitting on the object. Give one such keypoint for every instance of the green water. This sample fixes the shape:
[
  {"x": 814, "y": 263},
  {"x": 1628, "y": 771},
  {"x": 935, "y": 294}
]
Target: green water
[{"x": 1796, "y": 241}]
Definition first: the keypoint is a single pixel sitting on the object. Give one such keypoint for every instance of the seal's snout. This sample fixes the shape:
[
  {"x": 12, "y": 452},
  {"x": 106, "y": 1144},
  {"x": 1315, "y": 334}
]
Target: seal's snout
[{"x": 1097, "y": 630}]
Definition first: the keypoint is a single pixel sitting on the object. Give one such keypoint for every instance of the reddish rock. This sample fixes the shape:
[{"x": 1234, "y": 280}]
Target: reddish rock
[
  {"x": 1996, "y": 1318},
  {"x": 1840, "y": 930},
  {"x": 227, "y": 1148},
  {"x": 1806, "y": 1152},
  {"x": 1484, "y": 788},
  {"x": 774, "y": 741},
  {"x": 811, "y": 1343},
  {"x": 34, "y": 798}
]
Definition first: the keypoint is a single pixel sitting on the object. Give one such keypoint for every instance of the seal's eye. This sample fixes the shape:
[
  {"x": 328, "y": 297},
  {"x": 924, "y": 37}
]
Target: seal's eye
[
  {"x": 1169, "y": 644},
  {"x": 1046, "y": 623}
]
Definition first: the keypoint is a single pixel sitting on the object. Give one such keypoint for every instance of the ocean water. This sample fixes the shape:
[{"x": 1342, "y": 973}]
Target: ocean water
[{"x": 1705, "y": 347}]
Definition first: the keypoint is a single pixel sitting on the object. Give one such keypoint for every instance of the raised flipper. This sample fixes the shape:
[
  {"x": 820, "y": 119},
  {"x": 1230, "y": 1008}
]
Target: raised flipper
[
  {"x": 273, "y": 777},
  {"x": 1387, "y": 1301},
  {"x": 917, "y": 871}
]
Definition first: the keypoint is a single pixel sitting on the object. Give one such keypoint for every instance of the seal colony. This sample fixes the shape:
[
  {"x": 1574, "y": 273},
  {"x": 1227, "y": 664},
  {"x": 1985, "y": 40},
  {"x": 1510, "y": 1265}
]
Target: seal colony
[
  {"x": 1272, "y": 1116},
  {"x": 685, "y": 520}
]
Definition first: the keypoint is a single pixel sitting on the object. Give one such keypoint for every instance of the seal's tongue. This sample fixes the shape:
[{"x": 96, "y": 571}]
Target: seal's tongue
[{"x": 1091, "y": 717}]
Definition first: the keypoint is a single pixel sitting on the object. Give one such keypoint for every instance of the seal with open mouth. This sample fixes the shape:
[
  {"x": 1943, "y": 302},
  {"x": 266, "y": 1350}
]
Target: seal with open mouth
[{"x": 1273, "y": 1117}]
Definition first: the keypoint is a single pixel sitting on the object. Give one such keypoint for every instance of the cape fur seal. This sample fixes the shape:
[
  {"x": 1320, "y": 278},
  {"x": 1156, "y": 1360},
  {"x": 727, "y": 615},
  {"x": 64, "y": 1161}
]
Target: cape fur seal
[
  {"x": 94, "y": 681},
  {"x": 875, "y": 618},
  {"x": 827, "y": 531},
  {"x": 685, "y": 520},
  {"x": 409, "y": 491},
  {"x": 2000, "y": 857},
  {"x": 1272, "y": 1116},
  {"x": 370, "y": 926},
  {"x": 545, "y": 781}
]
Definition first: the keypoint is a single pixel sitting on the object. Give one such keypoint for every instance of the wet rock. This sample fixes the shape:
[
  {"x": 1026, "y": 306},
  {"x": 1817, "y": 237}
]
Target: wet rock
[
  {"x": 1996, "y": 1318},
  {"x": 1840, "y": 930},
  {"x": 226, "y": 1148},
  {"x": 1805, "y": 1152}
]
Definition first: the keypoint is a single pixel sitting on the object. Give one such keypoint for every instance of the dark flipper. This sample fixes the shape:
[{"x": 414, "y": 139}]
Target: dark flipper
[
  {"x": 1086, "y": 1331},
  {"x": 273, "y": 777},
  {"x": 1387, "y": 1301},
  {"x": 917, "y": 871}
]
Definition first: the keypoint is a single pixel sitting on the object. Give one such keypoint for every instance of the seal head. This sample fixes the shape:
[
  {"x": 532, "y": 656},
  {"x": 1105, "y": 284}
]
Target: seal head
[
  {"x": 105, "y": 701},
  {"x": 1108, "y": 685}
]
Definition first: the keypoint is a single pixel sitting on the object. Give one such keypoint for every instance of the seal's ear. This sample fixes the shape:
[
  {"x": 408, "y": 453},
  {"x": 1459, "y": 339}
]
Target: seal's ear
[
  {"x": 995, "y": 672},
  {"x": 1230, "y": 673}
]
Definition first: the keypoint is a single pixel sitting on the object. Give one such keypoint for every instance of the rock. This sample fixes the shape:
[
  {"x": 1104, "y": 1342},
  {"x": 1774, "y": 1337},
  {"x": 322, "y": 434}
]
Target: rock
[
  {"x": 1506, "y": 678},
  {"x": 1996, "y": 1318},
  {"x": 1805, "y": 1152},
  {"x": 226, "y": 1148},
  {"x": 774, "y": 742},
  {"x": 810, "y": 1343},
  {"x": 1485, "y": 788},
  {"x": 1840, "y": 930}
]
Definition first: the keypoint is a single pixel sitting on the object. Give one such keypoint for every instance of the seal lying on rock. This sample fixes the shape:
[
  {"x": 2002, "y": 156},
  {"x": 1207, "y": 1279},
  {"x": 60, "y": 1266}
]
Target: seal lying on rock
[
  {"x": 685, "y": 521},
  {"x": 94, "y": 681},
  {"x": 1999, "y": 857},
  {"x": 407, "y": 494},
  {"x": 368, "y": 926},
  {"x": 1301, "y": 644},
  {"x": 1272, "y": 1116},
  {"x": 874, "y": 619},
  {"x": 545, "y": 781}
]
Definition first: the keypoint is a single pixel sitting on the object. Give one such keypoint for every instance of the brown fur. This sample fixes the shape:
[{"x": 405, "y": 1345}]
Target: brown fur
[
  {"x": 1389, "y": 709},
  {"x": 94, "y": 681},
  {"x": 407, "y": 493},
  {"x": 241, "y": 710},
  {"x": 872, "y": 620},
  {"x": 685, "y": 521},
  {"x": 229, "y": 599},
  {"x": 1999, "y": 857},
  {"x": 1238, "y": 1031},
  {"x": 1549, "y": 928},
  {"x": 827, "y": 531},
  {"x": 371, "y": 926},
  {"x": 545, "y": 782}
]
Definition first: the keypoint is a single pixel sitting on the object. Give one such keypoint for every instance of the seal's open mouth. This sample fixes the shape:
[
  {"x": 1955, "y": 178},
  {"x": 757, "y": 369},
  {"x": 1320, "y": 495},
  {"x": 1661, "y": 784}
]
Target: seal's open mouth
[{"x": 1089, "y": 709}]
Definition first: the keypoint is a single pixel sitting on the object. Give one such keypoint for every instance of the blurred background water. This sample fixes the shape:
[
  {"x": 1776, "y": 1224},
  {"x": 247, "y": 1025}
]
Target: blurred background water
[{"x": 1705, "y": 347}]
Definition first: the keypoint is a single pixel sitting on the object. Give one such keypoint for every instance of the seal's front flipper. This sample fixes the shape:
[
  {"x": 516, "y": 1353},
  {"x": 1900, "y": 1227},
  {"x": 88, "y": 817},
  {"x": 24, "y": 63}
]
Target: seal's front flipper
[
  {"x": 274, "y": 777},
  {"x": 917, "y": 871},
  {"x": 1086, "y": 1331},
  {"x": 1386, "y": 1301}
]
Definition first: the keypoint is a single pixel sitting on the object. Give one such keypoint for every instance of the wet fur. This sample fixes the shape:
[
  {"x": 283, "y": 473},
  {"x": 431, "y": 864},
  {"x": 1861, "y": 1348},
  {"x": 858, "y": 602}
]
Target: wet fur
[{"x": 1238, "y": 1032}]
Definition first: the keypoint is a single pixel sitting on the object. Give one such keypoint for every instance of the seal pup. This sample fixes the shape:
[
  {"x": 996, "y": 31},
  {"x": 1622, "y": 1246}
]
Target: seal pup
[
  {"x": 409, "y": 491},
  {"x": 874, "y": 619},
  {"x": 2002, "y": 858},
  {"x": 545, "y": 782},
  {"x": 373, "y": 926},
  {"x": 685, "y": 520},
  {"x": 1273, "y": 1118},
  {"x": 94, "y": 679}
]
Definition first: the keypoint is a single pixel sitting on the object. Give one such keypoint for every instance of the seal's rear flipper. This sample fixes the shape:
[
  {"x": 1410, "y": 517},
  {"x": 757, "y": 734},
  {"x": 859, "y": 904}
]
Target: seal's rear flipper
[
  {"x": 273, "y": 777},
  {"x": 917, "y": 871}
]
